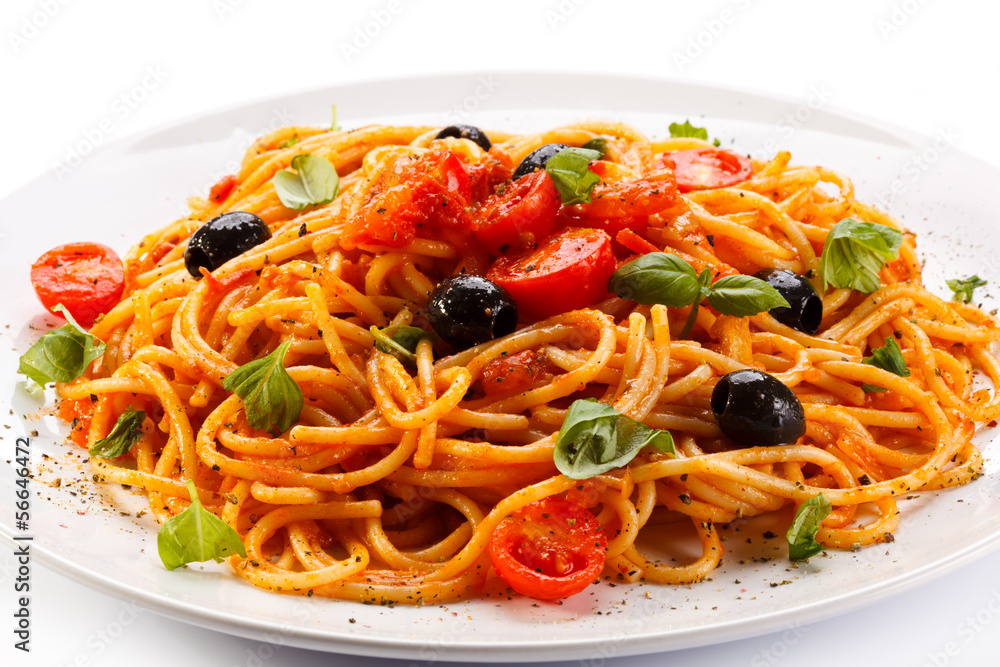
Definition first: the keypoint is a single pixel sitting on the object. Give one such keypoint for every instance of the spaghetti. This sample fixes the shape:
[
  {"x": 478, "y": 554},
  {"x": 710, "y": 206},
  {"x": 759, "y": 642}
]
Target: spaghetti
[{"x": 392, "y": 481}]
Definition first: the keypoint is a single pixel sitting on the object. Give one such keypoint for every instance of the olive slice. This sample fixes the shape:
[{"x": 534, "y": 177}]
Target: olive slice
[
  {"x": 466, "y": 310},
  {"x": 805, "y": 310},
  {"x": 223, "y": 238},
  {"x": 756, "y": 409},
  {"x": 470, "y": 132}
]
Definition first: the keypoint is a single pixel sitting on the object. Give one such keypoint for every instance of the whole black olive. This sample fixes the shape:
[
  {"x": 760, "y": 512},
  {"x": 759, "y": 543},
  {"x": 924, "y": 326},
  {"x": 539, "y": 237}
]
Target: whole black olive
[
  {"x": 756, "y": 409},
  {"x": 805, "y": 311},
  {"x": 470, "y": 132},
  {"x": 536, "y": 159},
  {"x": 222, "y": 238},
  {"x": 467, "y": 310}
]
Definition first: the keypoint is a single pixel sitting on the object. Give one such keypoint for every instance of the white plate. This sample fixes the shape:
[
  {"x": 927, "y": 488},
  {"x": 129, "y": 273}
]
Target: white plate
[{"x": 125, "y": 189}]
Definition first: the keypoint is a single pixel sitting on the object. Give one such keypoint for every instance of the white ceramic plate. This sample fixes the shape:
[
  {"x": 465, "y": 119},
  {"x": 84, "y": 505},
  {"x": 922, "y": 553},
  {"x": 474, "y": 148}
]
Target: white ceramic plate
[{"x": 116, "y": 194}]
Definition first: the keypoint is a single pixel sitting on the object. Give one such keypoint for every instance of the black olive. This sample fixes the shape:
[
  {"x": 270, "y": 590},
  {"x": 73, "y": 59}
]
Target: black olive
[
  {"x": 222, "y": 238},
  {"x": 470, "y": 132},
  {"x": 756, "y": 409},
  {"x": 467, "y": 310},
  {"x": 805, "y": 311},
  {"x": 536, "y": 159}
]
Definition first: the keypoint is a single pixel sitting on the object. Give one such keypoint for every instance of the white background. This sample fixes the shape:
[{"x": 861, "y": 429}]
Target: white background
[{"x": 64, "y": 67}]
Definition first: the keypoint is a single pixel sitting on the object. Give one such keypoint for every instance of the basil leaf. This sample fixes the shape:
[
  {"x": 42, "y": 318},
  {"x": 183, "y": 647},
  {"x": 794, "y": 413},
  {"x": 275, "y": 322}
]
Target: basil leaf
[
  {"x": 570, "y": 171},
  {"x": 196, "y": 535},
  {"x": 121, "y": 438},
  {"x": 315, "y": 182},
  {"x": 889, "y": 358},
  {"x": 271, "y": 398},
  {"x": 855, "y": 252},
  {"x": 288, "y": 143},
  {"x": 61, "y": 355},
  {"x": 658, "y": 277},
  {"x": 678, "y": 130},
  {"x": 963, "y": 288},
  {"x": 744, "y": 295},
  {"x": 872, "y": 388},
  {"x": 596, "y": 438},
  {"x": 801, "y": 535},
  {"x": 599, "y": 144},
  {"x": 400, "y": 341}
]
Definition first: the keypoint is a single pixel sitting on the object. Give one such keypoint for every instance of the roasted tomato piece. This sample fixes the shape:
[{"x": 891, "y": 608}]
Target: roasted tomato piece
[{"x": 517, "y": 372}]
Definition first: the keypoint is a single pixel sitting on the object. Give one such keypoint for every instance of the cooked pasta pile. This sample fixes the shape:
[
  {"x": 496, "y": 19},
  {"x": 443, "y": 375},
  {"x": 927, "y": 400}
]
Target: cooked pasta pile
[{"x": 390, "y": 484}]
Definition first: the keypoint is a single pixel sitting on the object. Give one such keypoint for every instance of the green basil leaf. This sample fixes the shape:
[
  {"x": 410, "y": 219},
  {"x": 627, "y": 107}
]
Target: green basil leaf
[
  {"x": 855, "y": 252},
  {"x": 658, "y": 277},
  {"x": 121, "y": 438},
  {"x": 288, "y": 143},
  {"x": 889, "y": 358},
  {"x": 963, "y": 288},
  {"x": 314, "y": 181},
  {"x": 599, "y": 144},
  {"x": 678, "y": 130},
  {"x": 400, "y": 341},
  {"x": 872, "y": 388},
  {"x": 570, "y": 171},
  {"x": 596, "y": 438},
  {"x": 743, "y": 296},
  {"x": 196, "y": 535},
  {"x": 271, "y": 398},
  {"x": 61, "y": 355},
  {"x": 801, "y": 535}
]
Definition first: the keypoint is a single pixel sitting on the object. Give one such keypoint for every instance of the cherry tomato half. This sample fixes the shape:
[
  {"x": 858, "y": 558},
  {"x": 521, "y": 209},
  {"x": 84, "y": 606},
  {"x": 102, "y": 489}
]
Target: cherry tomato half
[
  {"x": 549, "y": 549},
  {"x": 707, "y": 168},
  {"x": 86, "y": 278},
  {"x": 223, "y": 188},
  {"x": 524, "y": 213},
  {"x": 568, "y": 270},
  {"x": 516, "y": 372}
]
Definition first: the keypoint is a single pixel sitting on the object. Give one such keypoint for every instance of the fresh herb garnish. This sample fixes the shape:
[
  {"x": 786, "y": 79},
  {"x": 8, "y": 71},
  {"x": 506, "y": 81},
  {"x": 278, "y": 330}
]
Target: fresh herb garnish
[
  {"x": 271, "y": 398},
  {"x": 400, "y": 341},
  {"x": 595, "y": 438},
  {"x": 678, "y": 130},
  {"x": 61, "y": 355},
  {"x": 196, "y": 535},
  {"x": 855, "y": 252},
  {"x": 660, "y": 277},
  {"x": 288, "y": 143},
  {"x": 121, "y": 438},
  {"x": 314, "y": 181},
  {"x": 599, "y": 144},
  {"x": 570, "y": 171},
  {"x": 889, "y": 358},
  {"x": 801, "y": 535},
  {"x": 963, "y": 288},
  {"x": 872, "y": 388}
]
